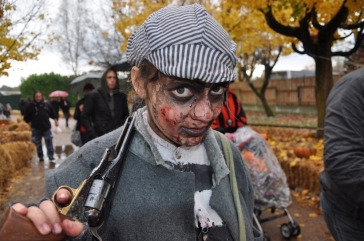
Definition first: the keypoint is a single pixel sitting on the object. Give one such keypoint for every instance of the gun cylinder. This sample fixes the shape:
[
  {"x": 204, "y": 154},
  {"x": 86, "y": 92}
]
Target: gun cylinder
[{"x": 95, "y": 201}]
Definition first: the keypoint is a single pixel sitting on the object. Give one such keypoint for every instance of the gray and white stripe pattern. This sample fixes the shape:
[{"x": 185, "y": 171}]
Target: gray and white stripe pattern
[{"x": 186, "y": 42}]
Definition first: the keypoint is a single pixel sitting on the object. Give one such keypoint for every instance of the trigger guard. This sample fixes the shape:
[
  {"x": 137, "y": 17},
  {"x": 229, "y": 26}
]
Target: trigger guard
[{"x": 58, "y": 205}]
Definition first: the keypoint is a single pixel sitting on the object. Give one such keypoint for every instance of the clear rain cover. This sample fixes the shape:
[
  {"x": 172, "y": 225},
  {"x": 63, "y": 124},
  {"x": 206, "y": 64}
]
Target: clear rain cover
[{"x": 269, "y": 180}]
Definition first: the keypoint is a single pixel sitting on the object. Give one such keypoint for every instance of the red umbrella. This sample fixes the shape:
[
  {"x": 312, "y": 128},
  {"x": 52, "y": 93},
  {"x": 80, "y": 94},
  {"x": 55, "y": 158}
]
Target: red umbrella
[{"x": 58, "y": 93}]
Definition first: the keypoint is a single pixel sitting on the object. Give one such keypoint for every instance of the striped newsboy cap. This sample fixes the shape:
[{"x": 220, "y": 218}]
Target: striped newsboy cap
[{"x": 185, "y": 42}]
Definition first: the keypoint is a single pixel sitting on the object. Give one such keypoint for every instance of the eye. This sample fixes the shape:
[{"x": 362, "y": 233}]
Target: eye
[
  {"x": 182, "y": 92},
  {"x": 217, "y": 90}
]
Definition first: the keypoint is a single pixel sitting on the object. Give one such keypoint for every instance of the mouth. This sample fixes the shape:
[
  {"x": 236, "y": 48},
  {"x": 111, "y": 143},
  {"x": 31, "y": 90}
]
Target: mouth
[{"x": 195, "y": 132}]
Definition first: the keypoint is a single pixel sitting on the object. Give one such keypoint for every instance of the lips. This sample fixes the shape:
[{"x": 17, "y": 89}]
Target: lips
[{"x": 195, "y": 132}]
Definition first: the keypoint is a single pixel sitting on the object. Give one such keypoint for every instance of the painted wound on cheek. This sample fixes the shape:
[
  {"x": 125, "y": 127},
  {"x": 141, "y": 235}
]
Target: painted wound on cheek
[{"x": 164, "y": 112}]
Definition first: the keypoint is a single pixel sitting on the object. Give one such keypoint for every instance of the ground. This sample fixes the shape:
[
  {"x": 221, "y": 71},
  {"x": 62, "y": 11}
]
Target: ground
[{"x": 28, "y": 186}]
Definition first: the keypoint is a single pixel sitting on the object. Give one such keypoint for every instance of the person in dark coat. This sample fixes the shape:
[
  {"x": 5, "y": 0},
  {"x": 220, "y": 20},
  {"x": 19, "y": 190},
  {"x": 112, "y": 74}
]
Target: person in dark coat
[
  {"x": 37, "y": 115},
  {"x": 78, "y": 110},
  {"x": 22, "y": 105},
  {"x": 65, "y": 106},
  {"x": 55, "y": 105},
  {"x": 232, "y": 115},
  {"x": 105, "y": 108},
  {"x": 342, "y": 181}
]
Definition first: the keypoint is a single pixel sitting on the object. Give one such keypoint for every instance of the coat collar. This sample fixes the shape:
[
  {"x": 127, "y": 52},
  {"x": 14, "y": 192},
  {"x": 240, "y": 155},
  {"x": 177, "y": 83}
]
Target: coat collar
[{"x": 143, "y": 146}]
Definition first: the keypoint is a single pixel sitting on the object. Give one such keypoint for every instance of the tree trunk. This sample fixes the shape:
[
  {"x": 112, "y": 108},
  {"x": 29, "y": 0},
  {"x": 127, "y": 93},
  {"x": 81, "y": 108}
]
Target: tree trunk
[
  {"x": 324, "y": 83},
  {"x": 268, "y": 110}
]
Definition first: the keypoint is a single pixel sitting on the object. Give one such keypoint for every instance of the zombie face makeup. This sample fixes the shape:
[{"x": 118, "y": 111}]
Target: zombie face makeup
[{"x": 181, "y": 111}]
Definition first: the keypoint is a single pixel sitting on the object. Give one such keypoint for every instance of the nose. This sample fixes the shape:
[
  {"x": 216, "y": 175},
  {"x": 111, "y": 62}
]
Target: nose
[{"x": 202, "y": 109}]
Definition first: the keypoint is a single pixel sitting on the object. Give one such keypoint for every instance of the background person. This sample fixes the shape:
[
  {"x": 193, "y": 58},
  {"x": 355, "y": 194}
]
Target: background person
[
  {"x": 7, "y": 110},
  {"x": 65, "y": 105},
  {"x": 342, "y": 181},
  {"x": 232, "y": 115},
  {"x": 78, "y": 110},
  {"x": 37, "y": 115},
  {"x": 105, "y": 108},
  {"x": 55, "y": 105},
  {"x": 22, "y": 104},
  {"x": 175, "y": 184}
]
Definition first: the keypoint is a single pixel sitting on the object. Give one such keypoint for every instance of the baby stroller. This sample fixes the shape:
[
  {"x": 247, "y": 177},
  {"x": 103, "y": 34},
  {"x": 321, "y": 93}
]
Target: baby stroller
[{"x": 271, "y": 190}]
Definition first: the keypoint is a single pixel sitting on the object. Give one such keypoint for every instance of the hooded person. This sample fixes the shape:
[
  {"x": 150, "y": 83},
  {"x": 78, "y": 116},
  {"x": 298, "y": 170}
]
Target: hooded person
[
  {"x": 105, "y": 108},
  {"x": 179, "y": 179}
]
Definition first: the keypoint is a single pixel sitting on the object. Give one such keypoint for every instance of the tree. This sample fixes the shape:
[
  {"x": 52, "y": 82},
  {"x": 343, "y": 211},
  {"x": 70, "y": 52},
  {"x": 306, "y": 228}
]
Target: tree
[
  {"x": 317, "y": 26},
  {"x": 46, "y": 83},
  {"x": 257, "y": 44},
  {"x": 19, "y": 31},
  {"x": 356, "y": 60},
  {"x": 85, "y": 34}
]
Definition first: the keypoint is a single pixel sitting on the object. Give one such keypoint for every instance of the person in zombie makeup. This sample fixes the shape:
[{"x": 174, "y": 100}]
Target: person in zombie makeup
[{"x": 174, "y": 183}]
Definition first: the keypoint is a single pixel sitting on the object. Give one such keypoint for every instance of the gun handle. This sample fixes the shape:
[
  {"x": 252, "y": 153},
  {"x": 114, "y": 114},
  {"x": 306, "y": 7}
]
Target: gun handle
[{"x": 16, "y": 227}]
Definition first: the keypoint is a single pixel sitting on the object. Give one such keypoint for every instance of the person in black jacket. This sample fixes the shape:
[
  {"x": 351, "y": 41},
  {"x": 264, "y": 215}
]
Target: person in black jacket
[
  {"x": 55, "y": 105},
  {"x": 65, "y": 105},
  {"x": 37, "y": 114},
  {"x": 342, "y": 181},
  {"x": 105, "y": 108},
  {"x": 78, "y": 110}
]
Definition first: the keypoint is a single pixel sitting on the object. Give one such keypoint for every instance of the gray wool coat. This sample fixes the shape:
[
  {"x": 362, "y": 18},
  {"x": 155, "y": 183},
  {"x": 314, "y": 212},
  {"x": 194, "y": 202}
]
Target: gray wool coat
[{"x": 153, "y": 202}]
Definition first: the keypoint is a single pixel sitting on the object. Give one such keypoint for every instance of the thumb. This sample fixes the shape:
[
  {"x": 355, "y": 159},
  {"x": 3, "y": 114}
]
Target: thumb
[{"x": 72, "y": 228}]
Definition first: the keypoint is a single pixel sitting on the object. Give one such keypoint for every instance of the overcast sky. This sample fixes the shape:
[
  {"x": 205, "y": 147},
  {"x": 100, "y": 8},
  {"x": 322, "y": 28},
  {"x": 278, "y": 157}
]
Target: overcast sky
[{"x": 51, "y": 62}]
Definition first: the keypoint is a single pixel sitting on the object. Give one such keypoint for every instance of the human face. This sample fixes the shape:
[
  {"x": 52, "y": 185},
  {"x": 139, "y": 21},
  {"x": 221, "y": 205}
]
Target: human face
[
  {"x": 38, "y": 97},
  {"x": 181, "y": 111},
  {"x": 111, "y": 80}
]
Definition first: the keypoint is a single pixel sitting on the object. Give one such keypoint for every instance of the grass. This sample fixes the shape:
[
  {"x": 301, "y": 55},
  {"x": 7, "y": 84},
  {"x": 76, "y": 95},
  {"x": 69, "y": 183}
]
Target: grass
[{"x": 301, "y": 120}]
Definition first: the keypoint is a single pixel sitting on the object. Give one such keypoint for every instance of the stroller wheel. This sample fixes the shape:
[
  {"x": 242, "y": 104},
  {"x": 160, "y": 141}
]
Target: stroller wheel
[
  {"x": 266, "y": 236},
  {"x": 286, "y": 230},
  {"x": 296, "y": 228}
]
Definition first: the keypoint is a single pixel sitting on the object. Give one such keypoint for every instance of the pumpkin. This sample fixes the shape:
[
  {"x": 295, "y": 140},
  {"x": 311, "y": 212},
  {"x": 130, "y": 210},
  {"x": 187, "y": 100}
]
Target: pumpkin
[
  {"x": 304, "y": 150},
  {"x": 265, "y": 136},
  {"x": 254, "y": 163}
]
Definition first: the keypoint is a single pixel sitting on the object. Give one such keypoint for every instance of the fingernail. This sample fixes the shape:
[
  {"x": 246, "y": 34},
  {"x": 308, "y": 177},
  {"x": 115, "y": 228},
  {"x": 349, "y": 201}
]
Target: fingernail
[
  {"x": 45, "y": 228},
  {"x": 62, "y": 195},
  {"x": 57, "y": 229}
]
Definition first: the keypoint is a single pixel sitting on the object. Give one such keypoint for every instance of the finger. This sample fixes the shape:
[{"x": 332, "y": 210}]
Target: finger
[
  {"x": 72, "y": 228},
  {"x": 39, "y": 220},
  {"x": 63, "y": 196},
  {"x": 20, "y": 208},
  {"x": 49, "y": 209}
]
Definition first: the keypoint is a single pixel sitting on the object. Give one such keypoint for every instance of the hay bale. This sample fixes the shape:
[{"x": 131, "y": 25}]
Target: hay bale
[
  {"x": 14, "y": 156},
  {"x": 14, "y": 126},
  {"x": 17, "y": 135},
  {"x": 303, "y": 174},
  {"x": 5, "y": 121}
]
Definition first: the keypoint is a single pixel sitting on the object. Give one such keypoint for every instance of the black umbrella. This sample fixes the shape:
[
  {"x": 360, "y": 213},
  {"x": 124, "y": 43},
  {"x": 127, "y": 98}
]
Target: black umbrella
[{"x": 122, "y": 66}]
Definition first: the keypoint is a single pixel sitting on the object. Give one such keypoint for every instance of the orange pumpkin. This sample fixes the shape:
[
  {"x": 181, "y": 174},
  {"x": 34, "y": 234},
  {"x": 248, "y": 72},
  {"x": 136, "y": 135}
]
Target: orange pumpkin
[
  {"x": 255, "y": 163},
  {"x": 304, "y": 151},
  {"x": 265, "y": 136}
]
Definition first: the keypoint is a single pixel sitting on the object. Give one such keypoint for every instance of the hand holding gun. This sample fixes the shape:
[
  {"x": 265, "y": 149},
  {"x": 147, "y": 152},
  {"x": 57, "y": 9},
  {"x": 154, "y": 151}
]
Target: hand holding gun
[{"x": 90, "y": 202}]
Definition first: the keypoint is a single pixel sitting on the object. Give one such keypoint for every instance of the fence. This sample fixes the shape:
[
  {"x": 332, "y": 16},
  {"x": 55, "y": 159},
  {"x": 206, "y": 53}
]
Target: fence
[{"x": 282, "y": 92}]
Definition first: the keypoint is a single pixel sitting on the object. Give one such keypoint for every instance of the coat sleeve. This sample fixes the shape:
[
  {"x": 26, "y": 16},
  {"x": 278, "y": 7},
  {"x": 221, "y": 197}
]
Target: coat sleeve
[
  {"x": 344, "y": 139},
  {"x": 125, "y": 108},
  {"x": 77, "y": 114},
  {"x": 27, "y": 113},
  {"x": 88, "y": 112}
]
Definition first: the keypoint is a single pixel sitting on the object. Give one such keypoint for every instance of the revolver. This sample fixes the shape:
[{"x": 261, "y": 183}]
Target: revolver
[{"x": 90, "y": 202}]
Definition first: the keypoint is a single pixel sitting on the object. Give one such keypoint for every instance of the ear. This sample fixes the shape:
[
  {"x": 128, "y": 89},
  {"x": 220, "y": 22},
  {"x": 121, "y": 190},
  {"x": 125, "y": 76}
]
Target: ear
[{"x": 138, "y": 83}]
